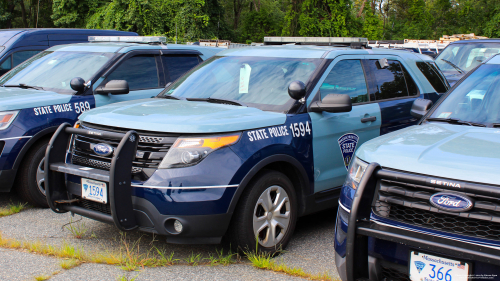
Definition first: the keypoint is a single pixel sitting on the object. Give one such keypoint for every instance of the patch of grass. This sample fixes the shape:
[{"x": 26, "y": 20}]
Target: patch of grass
[
  {"x": 78, "y": 230},
  {"x": 12, "y": 208},
  {"x": 165, "y": 259},
  {"x": 69, "y": 263},
  {"x": 124, "y": 278},
  {"x": 193, "y": 259},
  {"x": 42, "y": 277},
  {"x": 264, "y": 261},
  {"x": 220, "y": 258}
]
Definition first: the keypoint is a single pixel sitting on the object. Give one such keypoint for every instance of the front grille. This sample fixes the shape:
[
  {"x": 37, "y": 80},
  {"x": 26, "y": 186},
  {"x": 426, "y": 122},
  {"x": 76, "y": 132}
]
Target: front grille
[
  {"x": 151, "y": 150},
  {"x": 409, "y": 203},
  {"x": 390, "y": 274},
  {"x": 95, "y": 206}
]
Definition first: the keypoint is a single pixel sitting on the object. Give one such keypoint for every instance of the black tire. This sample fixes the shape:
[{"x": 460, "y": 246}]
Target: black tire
[
  {"x": 241, "y": 234},
  {"x": 27, "y": 185}
]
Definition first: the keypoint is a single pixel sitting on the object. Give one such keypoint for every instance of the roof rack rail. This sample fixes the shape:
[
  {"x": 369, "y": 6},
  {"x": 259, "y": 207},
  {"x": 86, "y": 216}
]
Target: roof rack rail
[
  {"x": 353, "y": 42},
  {"x": 130, "y": 39}
]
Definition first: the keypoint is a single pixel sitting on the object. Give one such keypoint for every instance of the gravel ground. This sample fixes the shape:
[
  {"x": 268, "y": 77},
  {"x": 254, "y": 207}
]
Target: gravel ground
[{"x": 311, "y": 249}]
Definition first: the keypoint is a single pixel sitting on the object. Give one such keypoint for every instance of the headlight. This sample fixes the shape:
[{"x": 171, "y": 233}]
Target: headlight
[
  {"x": 6, "y": 118},
  {"x": 355, "y": 173},
  {"x": 190, "y": 151}
]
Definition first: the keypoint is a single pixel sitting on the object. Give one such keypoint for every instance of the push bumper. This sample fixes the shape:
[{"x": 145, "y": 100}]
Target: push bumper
[
  {"x": 357, "y": 264},
  {"x": 125, "y": 211}
]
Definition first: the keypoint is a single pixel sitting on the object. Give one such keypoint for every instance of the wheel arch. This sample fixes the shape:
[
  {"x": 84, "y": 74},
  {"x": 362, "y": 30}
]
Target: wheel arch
[
  {"x": 285, "y": 164},
  {"x": 47, "y": 132}
]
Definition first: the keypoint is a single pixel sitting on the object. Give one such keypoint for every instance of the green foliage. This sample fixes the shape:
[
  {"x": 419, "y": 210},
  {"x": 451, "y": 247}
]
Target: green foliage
[
  {"x": 328, "y": 18},
  {"x": 250, "y": 20}
]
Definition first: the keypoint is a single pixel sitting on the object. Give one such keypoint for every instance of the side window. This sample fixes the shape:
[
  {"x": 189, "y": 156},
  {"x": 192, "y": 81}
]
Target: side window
[
  {"x": 433, "y": 75},
  {"x": 175, "y": 65},
  {"x": 6, "y": 65},
  {"x": 19, "y": 57},
  {"x": 412, "y": 86},
  {"x": 387, "y": 83},
  {"x": 346, "y": 77},
  {"x": 139, "y": 71}
]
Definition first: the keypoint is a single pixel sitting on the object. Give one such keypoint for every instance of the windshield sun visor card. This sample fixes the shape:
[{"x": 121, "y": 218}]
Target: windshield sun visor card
[{"x": 244, "y": 78}]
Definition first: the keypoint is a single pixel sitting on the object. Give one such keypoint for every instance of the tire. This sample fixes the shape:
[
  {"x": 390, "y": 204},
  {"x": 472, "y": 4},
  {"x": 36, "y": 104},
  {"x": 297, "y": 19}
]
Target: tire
[
  {"x": 251, "y": 220},
  {"x": 28, "y": 181}
]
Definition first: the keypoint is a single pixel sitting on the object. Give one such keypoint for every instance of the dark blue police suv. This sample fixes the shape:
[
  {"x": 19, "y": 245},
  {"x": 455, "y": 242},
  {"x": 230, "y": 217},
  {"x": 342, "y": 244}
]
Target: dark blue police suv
[{"x": 242, "y": 145}]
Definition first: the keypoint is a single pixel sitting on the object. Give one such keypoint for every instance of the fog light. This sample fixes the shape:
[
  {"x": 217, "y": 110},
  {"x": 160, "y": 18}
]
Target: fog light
[{"x": 178, "y": 226}]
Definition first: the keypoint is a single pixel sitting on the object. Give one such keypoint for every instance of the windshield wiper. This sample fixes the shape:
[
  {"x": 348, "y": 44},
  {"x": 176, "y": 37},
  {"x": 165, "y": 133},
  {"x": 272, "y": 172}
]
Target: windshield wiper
[
  {"x": 170, "y": 97},
  {"x": 222, "y": 101},
  {"x": 454, "y": 66},
  {"x": 456, "y": 121},
  {"x": 24, "y": 86}
]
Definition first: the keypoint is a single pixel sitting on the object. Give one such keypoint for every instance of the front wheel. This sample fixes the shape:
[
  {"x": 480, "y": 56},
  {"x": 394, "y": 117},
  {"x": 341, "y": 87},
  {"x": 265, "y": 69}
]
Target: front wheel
[
  {"x": 266, "y": 214},
  {"x": 31, "y": 178}
]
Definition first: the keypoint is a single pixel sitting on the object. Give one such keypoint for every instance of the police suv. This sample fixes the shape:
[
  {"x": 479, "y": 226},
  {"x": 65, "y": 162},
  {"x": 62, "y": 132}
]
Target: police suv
[
  {"x": 423, "y": 203},
  {"x": 59, "y": 84},
  {"x": 242, "y": 145}
]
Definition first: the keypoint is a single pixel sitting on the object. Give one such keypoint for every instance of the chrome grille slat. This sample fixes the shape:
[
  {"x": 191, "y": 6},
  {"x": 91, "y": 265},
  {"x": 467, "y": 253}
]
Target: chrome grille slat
[
  {"x": 409, "y": 203},
  {"x": 150, "y": 152}
]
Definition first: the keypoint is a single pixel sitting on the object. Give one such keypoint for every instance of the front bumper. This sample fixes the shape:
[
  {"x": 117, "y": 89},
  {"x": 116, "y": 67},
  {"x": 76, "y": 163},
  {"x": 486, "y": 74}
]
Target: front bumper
[
  {"x": 130, "y": 206},
  {"x": 359, "y": 256}
]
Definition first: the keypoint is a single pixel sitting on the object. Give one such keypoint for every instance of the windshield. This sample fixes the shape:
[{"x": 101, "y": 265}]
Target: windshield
[
  {"x": 476, "y": 99},
  {"x": 54, "y": 70},
  {"x": 464, "y": 57},
  {"x": 254, "y": 81}
]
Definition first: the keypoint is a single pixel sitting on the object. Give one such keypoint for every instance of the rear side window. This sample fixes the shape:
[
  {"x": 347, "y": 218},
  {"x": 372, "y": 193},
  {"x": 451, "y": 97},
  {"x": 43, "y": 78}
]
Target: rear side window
[
  {"x": 434, "y": 76},
  {"x": 176, "y": 66},
  {"x": 19, "y": 57},
  {"x": 140, "y": 72},
  {"x": 387, "y": 83},
  {"x": 346, "y": 77}
]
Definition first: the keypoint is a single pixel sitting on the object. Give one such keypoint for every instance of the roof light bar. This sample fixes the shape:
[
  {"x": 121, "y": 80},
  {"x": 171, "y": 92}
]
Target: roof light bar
[
  {"x": 129, "y": 39},
  {"x": 315, "y": 40}
]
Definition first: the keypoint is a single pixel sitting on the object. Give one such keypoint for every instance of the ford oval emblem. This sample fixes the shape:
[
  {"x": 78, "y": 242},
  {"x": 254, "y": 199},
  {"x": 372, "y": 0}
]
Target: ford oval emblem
[
  {"x": 451, "y": 202},
  {"x": 102, "y": 149}
]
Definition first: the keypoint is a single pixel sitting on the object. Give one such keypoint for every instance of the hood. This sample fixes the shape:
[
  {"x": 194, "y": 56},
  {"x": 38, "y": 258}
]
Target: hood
[
  {"x": 449, "y": 151},
  {"x": 16, "y": 98},
  {"x": 178, "y": 116}
]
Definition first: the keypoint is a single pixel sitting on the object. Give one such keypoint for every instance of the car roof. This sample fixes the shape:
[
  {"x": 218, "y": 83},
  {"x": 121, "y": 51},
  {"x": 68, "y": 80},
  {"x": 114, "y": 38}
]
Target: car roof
[
  {"x": 312, "y": 52},
  {"x": 123, "y": 47},
  {"x": 476, "y": 41}
]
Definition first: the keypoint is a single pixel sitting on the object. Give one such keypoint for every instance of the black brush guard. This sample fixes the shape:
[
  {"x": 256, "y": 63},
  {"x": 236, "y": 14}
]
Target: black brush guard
[
  {"x": 360, "y": 228},
  {"x": 118, "y": 177}
]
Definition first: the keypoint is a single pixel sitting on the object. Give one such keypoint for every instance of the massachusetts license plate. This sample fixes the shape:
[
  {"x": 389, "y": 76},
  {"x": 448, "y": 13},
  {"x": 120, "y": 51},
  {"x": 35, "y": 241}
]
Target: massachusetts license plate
[
  {"x": 94, "y": 190},
  {"x": 433, "y": 268}
]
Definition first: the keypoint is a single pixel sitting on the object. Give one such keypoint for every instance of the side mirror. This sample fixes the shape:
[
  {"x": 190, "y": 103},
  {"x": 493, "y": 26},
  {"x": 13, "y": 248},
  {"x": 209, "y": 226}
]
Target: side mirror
[
  {"x": 114, "y": 87},
  {"x": 333, "y": 103},
  {"x": 297, "y": 90},
  {"x": 420, "y": 107},
  {"x": 77, "y": 84}
]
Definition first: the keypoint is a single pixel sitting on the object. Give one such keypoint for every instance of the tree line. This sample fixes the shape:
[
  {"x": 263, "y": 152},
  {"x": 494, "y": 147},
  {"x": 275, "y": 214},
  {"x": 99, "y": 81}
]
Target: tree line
[{"x": 250, "y": 20}]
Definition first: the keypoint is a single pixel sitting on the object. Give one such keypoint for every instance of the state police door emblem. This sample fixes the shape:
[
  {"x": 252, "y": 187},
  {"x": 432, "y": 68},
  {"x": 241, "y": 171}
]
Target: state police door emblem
[{"x": 347, "y": 144}]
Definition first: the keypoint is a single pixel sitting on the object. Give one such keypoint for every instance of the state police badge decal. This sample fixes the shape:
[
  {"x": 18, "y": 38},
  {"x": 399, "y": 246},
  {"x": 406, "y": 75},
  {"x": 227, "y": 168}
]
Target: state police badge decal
[{"x": 347, "y": 144}]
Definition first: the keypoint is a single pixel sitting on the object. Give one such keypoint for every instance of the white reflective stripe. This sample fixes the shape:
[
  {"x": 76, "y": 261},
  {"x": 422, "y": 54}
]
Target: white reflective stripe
[
  {"x": 25, "y": 137},
  {"x": 492, "y": 246},
  {"x": 185, "y": 187},
  {"x": 344, "y": 207}
]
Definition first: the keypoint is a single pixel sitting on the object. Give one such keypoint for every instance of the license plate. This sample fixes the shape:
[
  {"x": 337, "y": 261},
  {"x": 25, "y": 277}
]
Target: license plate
[
  {"x": 433, "y": 268},
  {"x": 94, "y": 190}
]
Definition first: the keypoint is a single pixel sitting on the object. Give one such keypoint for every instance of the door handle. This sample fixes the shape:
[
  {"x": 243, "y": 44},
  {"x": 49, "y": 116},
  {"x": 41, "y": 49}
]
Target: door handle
[{"x": 368, "y": 119}]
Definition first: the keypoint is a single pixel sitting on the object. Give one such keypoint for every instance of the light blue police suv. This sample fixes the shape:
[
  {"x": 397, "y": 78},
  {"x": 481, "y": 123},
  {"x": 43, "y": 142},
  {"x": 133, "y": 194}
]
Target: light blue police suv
[
  {"x": 242, "y": 145},
  {"x": 57, "y": 85},
  {"x": 423, "y": 203}
]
